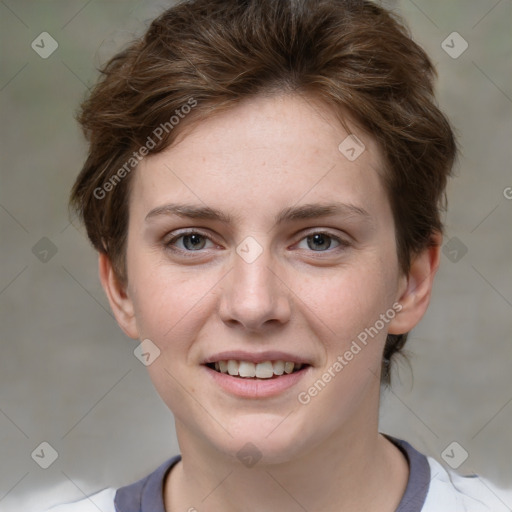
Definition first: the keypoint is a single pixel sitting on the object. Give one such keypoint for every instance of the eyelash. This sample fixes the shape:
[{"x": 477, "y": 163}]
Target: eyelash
[{"x": 343, "y": 244}]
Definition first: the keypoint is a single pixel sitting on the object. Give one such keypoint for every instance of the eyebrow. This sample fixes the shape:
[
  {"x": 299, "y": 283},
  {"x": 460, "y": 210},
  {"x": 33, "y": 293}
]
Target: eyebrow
[{"x": 291, "y": 213}]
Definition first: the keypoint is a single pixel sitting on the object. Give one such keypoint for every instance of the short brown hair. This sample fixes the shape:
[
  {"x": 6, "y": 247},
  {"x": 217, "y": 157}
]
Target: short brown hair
[{"x": 354, "y": 56}]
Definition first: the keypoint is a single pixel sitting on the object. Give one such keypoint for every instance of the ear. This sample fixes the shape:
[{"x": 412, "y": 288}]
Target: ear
[
  {"x": 119, "y": 300},
  {"x": 415, "y": 288}
]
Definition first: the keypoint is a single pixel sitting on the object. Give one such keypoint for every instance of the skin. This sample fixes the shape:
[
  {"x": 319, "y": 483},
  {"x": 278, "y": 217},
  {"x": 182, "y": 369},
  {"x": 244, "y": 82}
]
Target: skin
[{"x": 252, "y": 161}]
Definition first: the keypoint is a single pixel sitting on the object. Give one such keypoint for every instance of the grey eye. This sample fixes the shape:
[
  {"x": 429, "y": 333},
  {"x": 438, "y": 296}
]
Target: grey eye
[{"x": 320, "y": 242}]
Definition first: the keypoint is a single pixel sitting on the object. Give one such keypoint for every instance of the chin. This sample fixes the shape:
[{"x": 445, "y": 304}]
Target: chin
[{"x": 262, "y": 439}]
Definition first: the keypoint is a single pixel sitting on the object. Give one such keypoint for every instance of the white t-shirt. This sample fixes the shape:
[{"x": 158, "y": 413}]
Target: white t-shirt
[{"x": 430, "y": 488}]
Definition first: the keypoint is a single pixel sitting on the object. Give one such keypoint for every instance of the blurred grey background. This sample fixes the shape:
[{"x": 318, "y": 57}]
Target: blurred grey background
[{"x": 68, "y": 376}]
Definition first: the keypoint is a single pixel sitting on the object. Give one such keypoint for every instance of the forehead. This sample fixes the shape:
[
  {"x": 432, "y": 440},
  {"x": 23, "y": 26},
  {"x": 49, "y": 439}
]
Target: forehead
[{"x": 264, "y": 152}]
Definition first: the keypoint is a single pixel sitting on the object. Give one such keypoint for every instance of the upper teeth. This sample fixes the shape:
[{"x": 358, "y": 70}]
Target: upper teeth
[{"x": 264, "y": 370}]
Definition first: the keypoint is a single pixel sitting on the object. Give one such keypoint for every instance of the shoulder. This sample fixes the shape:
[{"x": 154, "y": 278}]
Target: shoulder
[
  {"x": 103, "y": 500},
  {"x": 451, "y": 492},
  {"x": 144, "y": 494},
  {"x": 432, "y": 488}
]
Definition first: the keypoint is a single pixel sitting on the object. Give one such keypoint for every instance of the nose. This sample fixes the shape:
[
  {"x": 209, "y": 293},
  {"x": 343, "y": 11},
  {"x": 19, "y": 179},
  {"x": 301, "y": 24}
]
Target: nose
[{"x": 254, "y": 295}]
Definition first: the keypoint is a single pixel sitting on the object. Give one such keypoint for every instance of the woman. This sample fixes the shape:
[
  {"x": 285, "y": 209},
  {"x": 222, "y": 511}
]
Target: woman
[{"x": 264, "y": 186}]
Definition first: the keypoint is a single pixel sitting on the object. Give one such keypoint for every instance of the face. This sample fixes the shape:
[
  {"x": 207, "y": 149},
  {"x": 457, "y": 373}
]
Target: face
[{"x": 255, "y": 240}]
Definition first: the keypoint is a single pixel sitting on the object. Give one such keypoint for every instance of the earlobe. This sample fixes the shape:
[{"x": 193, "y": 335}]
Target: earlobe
[
  {"x": 120, "y": 302},
  {"x": 416, "y": 288}
]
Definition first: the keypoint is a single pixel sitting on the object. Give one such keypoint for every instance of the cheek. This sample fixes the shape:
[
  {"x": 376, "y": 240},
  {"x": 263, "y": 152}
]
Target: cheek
[
  {"x": 161, "y": 294},
  {"x": 170, "y": 311},
  {"x": 351, "y": 298},
  {"x": 167, "y": 307},
  {"x": 351, "y": 307},
  {"x": 172, "y": 306}
]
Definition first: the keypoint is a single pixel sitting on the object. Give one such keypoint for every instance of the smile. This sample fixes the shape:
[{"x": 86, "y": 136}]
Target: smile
[
  {"x": 250, "y": 370},
  {"x": 256, "y": 380}
]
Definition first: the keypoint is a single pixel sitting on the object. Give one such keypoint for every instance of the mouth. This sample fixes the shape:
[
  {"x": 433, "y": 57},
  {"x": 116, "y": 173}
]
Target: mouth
[
  {"x": 256, "y": 370},
  {"x": 256, "y": 375}
]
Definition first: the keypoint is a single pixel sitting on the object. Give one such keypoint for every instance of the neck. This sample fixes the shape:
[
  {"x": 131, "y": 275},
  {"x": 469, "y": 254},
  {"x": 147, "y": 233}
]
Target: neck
[{"x": 350, "y": 470}]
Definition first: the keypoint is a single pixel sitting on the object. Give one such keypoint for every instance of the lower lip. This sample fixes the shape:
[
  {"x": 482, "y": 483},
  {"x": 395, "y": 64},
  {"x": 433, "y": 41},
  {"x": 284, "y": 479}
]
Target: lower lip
[{"x": 256, "y": 388}]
